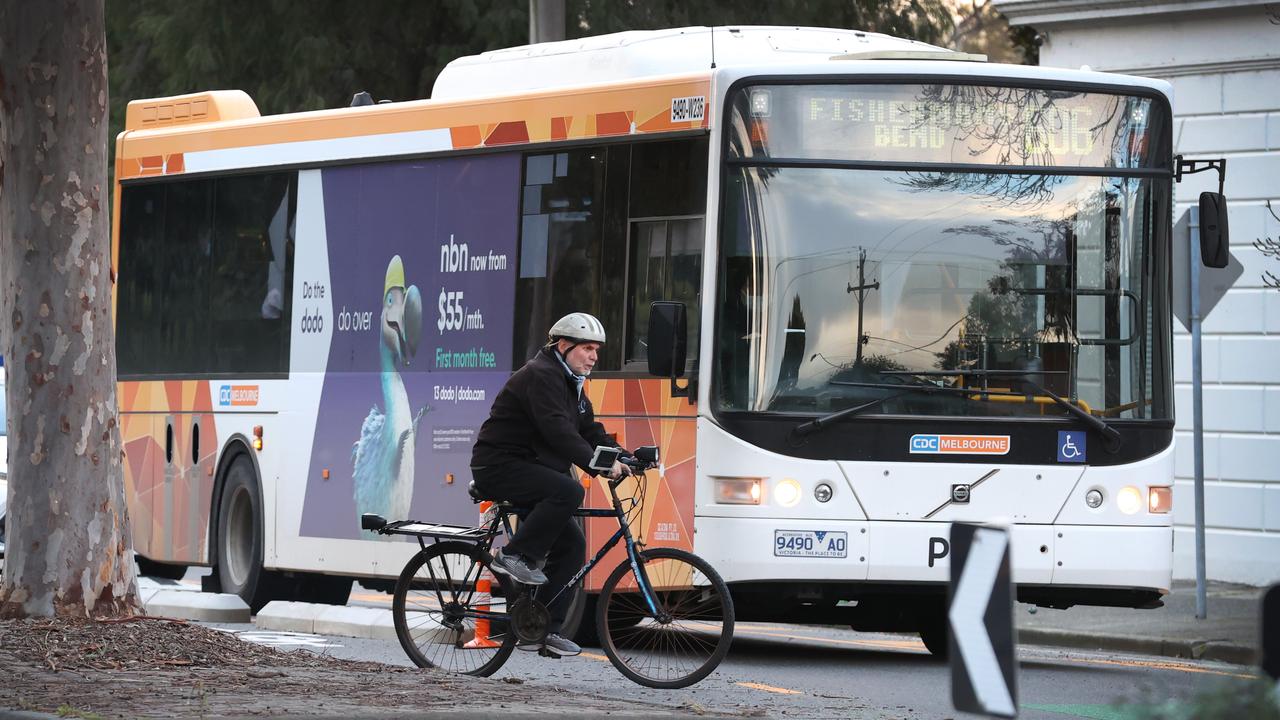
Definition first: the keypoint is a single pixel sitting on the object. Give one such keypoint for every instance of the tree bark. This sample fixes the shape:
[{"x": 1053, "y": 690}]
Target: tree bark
[{"x": 68, "y": 544}]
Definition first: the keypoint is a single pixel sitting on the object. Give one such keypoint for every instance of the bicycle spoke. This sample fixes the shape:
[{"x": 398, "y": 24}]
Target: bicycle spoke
[
  {"x": 440, "y": 607},
  {"x": 686, "y": 638}
]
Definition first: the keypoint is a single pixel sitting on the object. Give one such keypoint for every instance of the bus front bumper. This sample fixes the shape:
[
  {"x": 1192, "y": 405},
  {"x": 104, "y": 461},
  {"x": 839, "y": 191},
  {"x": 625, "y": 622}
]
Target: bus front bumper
[{"x": 1075, "y": 558}]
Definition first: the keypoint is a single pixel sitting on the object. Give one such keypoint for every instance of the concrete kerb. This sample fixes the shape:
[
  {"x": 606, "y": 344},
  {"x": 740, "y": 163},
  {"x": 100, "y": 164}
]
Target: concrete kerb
[
  {"x": 1220, "y": 651},
  {"x": 342, "y": 621},
  {"x": 206, "y": 607},
  {"x": 288, "y": 616},
  {"x": 345, "y": 621}
]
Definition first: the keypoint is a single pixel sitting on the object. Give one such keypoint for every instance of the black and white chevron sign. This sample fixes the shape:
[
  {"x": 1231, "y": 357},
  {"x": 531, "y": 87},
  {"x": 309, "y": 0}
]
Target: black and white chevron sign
[
  {"x": 1271, "y": 632},
  {"x": 980, "y": 611}
]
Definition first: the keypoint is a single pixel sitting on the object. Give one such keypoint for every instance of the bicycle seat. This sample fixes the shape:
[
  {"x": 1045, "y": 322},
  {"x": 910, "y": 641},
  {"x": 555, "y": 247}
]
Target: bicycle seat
[{"x": 478, "y": 497}]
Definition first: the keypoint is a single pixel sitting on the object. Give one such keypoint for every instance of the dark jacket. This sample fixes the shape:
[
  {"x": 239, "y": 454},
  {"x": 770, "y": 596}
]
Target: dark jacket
[{"x": 539, "y": 417}]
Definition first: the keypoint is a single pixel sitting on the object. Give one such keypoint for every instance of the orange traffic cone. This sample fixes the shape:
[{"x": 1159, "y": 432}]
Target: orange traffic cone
[{"x": 484, "y": 588}]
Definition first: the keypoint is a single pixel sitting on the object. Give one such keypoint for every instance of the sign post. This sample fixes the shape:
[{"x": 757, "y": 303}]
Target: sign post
[
  {"x": 980, "y": 613},
  {"x": 1191, "y": 303}
]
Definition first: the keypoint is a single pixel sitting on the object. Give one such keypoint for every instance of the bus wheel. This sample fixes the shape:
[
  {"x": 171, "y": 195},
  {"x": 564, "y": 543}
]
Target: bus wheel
[
  {"x": 579, "y": 623},
  {"x": 240, "y": 537},
  {"x": 935, "y": 633}
]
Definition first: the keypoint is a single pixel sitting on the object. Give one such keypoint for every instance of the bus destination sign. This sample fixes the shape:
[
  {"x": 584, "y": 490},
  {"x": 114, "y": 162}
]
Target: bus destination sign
[
  {"x": 833, "y": 121},
  {"x": 947, "y": 124}
]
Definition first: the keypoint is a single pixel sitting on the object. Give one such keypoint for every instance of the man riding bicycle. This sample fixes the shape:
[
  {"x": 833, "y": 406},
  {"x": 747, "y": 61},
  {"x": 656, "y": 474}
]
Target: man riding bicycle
[{"x": 540, "y": 424}]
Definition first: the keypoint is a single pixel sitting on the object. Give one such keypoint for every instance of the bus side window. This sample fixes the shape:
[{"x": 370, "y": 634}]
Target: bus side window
[
  {"x": 205, "y": 277},
  {"x": 562, "y": 220},
  {"x": 138, "y": 297},
  {"x": 252, "y": 275},
  {"x": 667, "y": 208}
]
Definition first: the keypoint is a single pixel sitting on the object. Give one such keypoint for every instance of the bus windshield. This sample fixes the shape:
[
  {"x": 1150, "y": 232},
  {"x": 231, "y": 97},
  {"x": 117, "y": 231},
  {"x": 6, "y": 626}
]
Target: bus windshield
[{"x": 849, "y": 266}]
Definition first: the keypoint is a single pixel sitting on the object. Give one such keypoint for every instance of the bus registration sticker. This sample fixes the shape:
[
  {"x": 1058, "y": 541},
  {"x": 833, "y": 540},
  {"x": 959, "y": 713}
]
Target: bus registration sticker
[
  {"x": 688, "y": 109},
  {"x": 810, "y": 543}
]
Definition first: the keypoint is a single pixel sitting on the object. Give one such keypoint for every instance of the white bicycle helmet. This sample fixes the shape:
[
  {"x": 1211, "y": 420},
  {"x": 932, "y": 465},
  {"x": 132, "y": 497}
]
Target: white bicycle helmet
[{"x": 579, "y": 327}]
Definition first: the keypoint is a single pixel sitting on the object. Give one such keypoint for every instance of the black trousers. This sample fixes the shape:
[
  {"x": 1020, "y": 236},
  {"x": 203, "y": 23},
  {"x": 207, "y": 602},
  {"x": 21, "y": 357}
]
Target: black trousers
[{"x": 549, "y": 532}]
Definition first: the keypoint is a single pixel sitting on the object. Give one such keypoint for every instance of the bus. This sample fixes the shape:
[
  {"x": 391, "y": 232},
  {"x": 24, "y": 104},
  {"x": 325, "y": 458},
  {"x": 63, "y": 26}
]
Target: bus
[{"x": 856, "y": 287}]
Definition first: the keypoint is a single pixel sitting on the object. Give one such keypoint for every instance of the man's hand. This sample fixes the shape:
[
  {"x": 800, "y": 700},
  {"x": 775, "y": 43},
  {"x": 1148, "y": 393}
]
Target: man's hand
[{"x": 618, "y": 471}]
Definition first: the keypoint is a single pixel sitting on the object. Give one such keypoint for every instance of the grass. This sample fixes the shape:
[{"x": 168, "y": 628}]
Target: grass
[{"x": 67, "y": 711}]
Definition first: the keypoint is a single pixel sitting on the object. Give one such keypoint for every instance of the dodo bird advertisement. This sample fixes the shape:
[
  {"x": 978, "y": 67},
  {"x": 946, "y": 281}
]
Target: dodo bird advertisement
[{"x": 421, "y": 258}]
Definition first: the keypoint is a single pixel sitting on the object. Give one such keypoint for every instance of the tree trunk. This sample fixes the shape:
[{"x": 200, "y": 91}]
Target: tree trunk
[{"x": 68, "y": 549}]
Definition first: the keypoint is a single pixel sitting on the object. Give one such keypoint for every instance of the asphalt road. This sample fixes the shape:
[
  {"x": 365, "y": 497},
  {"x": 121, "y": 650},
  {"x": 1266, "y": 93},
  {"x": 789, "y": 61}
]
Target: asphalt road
[{"x": 824, "y": 672}]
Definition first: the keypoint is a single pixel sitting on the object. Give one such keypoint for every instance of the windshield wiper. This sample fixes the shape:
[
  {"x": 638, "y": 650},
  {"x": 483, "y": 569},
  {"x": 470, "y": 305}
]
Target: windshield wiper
[
  {"x": 810, "y": 427},
  {"x": 1111, "y": 437}
]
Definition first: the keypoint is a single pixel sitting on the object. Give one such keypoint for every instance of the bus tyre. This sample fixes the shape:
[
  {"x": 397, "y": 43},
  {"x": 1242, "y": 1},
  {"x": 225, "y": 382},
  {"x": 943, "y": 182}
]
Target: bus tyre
[
  {"x": 579, "y": 624},
  {"x": 240, "y": 537},
  {"x": 935, "y": 633}
]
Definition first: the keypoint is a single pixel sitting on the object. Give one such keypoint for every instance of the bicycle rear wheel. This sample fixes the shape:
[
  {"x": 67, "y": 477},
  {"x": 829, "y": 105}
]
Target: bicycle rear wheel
[
  {"x": 441, "y": 609},
  {"x": 685, "y": 639}
]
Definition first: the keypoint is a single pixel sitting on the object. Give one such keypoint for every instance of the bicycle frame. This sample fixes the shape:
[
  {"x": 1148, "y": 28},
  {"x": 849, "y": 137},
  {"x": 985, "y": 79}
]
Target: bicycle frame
[{"x": 485, "y": 534}]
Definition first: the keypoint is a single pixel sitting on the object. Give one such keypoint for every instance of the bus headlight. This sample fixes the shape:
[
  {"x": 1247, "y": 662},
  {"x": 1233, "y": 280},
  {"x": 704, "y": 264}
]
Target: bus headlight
[
  {"x": 787, "y": 492},
  {"x": 738, "y": 490},
  {"x": 823, "y": 492},
  {"x": 1093, "y": 498},
  {"x": 1129, "y": 500},
  {"x": 1159, "y": 499}
]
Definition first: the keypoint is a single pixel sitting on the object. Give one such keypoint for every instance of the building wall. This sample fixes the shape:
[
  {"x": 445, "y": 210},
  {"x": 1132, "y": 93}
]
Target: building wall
[{"x": 1223, "y": 59}]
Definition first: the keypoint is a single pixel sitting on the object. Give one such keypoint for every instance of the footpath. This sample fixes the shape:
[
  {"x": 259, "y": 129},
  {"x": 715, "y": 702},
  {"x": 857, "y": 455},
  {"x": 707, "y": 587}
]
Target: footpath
[{"x": 1231, "y": 632}]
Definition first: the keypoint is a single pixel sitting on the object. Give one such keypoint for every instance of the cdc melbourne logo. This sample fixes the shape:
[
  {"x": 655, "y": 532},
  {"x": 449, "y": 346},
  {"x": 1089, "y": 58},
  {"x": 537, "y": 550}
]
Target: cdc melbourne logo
[
  {"x": 924, "y": 443},
  {"x": 959, "y": 444},
  {"x": 233, "y": 395}
]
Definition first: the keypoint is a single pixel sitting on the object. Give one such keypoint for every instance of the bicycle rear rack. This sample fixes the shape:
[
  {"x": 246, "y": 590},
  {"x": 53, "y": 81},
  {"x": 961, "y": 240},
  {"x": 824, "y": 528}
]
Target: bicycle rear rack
[{"x": 378, "y": 524}]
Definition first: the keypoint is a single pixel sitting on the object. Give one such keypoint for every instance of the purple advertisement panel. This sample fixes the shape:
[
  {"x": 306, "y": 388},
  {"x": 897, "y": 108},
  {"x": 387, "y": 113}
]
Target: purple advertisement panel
[{"x": 421, "y": 262}]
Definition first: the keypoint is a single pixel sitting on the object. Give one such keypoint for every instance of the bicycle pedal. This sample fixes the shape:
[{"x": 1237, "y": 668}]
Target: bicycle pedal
[{"x": 548, "y": 654}]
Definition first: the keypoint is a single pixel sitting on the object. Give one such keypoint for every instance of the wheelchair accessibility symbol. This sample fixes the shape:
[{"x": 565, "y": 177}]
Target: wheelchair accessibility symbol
[{"x": 1071, "y": 446}]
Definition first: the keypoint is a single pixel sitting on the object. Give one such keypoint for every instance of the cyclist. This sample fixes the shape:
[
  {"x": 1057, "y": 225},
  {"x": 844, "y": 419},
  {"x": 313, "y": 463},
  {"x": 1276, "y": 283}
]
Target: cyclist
[{"x": 540, "y": 424}]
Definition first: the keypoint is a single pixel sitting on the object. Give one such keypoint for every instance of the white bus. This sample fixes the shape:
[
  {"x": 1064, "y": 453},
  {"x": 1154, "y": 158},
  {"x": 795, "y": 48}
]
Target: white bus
[{"x": 916, "y": 287}]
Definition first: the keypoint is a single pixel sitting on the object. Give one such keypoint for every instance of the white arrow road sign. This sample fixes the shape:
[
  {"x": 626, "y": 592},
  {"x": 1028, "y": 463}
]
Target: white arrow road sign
[{"x": 981, "y": 618}]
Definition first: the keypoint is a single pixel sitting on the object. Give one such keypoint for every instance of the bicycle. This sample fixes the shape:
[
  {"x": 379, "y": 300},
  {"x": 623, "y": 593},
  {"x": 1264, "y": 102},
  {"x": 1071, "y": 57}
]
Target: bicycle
[{"x": 664, "y": 616}]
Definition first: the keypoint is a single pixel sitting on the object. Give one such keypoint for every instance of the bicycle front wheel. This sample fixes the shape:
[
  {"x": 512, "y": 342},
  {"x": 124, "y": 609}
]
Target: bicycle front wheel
[
  {"x": 674, "y": 635},
  {"x": 450, "y": 611}
]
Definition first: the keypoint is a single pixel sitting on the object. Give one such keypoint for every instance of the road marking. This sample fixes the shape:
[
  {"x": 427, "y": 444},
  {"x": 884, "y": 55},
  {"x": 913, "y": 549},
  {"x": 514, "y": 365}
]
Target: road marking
[
  {"x": 593, "y": 656},
  {"x": 281, "y": 638},
  {"x": 769, "y": 688},
  {"x": 890, "y": 644},
  {"x": 1159, "y": 665},
  {"x": 1097, "y": 712}
]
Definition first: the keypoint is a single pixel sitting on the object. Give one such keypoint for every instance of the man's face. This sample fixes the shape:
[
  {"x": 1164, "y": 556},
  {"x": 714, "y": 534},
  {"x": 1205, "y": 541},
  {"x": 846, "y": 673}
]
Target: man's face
[{"x": 582, "y": 358}]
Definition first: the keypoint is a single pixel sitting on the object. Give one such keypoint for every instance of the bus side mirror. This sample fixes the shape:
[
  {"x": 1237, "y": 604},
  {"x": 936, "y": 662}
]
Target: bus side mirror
[
  {"x": 1215, "y": 244},
  {"x": 668, "y": 330}
]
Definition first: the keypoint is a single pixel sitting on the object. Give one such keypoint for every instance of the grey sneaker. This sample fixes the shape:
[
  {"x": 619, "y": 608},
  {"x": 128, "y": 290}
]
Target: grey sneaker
[
  {"x": 518, "y": 569},
  {"x": 555, "y": 644},
  {"x": 560, "y": 645}
]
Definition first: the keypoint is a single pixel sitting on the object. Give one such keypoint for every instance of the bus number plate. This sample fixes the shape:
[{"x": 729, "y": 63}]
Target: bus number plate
[{"x": 810, "y": 543}]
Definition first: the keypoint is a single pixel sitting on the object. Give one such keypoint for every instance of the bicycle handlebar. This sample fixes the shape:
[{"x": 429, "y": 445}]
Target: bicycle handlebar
[{"x": 644, "y": 458}]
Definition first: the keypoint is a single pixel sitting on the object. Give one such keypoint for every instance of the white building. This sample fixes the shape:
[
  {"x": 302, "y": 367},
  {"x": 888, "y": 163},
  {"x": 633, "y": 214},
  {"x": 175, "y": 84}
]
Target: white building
[{"x": 1223, "y": 59}]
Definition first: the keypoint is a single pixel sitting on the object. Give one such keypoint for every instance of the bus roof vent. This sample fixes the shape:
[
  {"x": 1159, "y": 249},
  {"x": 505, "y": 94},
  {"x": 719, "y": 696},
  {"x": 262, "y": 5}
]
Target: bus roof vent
[
  {"x": 912, "y": 55},
  {"x": 213, "y": 106}
]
